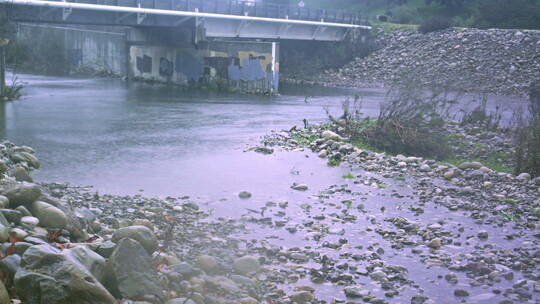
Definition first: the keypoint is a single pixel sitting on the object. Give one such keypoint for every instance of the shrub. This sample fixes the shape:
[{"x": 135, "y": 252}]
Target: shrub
[
  {"x": 434, "y": 24},
  {"x": 527, "y": 139},
  {"x": 411, "y": 122}
]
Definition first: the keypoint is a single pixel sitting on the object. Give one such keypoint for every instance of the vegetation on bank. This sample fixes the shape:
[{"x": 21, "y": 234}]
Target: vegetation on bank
[
  {"x": 413, "y": 123},
  {"x": 12, "y": 90},
  {"x": 464, "y": 13}
]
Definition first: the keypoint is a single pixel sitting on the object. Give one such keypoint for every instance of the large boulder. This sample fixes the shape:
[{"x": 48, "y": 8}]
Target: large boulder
[
  {"x": 26, "y": 157},
  {"x": 90, "y": 260},
  {"x": 141, "y": 234},
  {"x": 48, "y": 275},
  {"x": 49, "y": 216},
  {"x": 129, "y": 271},
  {"x": 22, "y": 194}
]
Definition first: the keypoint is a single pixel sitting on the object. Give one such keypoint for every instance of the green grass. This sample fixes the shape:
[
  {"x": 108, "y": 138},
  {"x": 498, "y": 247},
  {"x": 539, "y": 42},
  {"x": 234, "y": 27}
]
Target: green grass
[
  {"x": 305, "y": 139},
  {"x": 494, "y": 162},
  {"x": 388, "y": 27},
  {"x": 333, "y": 163},
  {"x": 348, "y": 176}
]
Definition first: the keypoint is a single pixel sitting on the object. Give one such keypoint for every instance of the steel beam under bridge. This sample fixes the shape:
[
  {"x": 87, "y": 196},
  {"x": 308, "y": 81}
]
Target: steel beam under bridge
[{"x": 132, "y": 13}]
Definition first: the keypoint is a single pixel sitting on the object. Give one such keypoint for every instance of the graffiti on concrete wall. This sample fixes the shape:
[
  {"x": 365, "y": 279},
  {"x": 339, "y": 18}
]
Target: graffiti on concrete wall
[
  {"x": 144, "y": 64},
  {"x": 189, "y": 65},
  {"x": 223, "y": 65},
  {"x": 165, "y": 67}
]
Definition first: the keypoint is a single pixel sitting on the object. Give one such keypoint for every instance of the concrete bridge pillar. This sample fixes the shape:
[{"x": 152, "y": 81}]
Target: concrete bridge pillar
[{"x": 174, "y": 57}]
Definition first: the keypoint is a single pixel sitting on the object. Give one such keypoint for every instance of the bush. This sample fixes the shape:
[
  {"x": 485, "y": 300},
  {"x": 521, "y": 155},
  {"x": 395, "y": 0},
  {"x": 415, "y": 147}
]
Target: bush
[
  {"x": 527, "y": 139},
  {"x": 412, "y": 122},
  {"x": 434, "y": 24}
]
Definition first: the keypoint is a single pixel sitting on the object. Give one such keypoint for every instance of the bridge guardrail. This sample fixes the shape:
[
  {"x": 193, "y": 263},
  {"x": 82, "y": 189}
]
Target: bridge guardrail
[{"x": 241, "y": 7}]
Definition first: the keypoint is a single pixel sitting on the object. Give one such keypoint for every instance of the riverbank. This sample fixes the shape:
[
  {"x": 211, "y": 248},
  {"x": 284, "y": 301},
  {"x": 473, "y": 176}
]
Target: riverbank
[
  {"x": 396, "y": 229},
  {"x": 473, "y": 60}
]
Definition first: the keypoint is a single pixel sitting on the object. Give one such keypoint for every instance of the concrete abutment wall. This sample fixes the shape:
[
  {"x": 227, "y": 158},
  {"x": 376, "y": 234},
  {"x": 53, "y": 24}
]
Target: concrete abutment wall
[{"x": 154, "y": 54}]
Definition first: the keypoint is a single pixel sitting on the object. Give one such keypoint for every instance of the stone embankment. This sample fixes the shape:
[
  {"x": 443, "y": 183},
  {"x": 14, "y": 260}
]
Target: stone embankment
[{"x": 499, "y": 61}]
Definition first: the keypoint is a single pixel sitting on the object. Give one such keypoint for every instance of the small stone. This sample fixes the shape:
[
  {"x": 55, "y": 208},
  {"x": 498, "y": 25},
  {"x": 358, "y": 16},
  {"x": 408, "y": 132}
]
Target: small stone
[
  {"x": 244, "y": 195},
  {"x": 449, "y": 174},
  {"x": 208, "y": 263},
  {"x": 299, "y": 187},
  {"x": 435, "y": 243},
  {"x": 246, "y": 264},
  {"x": 355, "y": 292},
  {"x": 524, "y": 177},
  {"x": 331, "y": 135},
  {"x": 29, "y": 222},
  {"x": 425, "y": 168},
  {"x": 461, "y": 293},
  {"x": 483, "y": 235},
  {"x": 302, "y": 297}
]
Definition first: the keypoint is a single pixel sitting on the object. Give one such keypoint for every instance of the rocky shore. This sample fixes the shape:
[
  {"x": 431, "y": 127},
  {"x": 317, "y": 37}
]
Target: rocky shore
[
  {"x": 397, "y": 230},
  {"x": 498, "y": 61},
  {"x": 65, "y": 244}
]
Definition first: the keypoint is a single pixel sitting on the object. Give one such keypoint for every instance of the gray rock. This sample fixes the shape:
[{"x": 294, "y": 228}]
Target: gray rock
[
  {"x": 48, "y": 276},
  {"x": 435, "y": 243},
  {"x": 302, "y": 297},
  {"x": 470, "y": 165},
  {"x": 483, "y": 235},
  {"x": 49, "y": 216},
  {"x": 246, "y": 264},
  {"x": 461, "y": 293},
  {"x": 18, "y": 233},
  {"x": 425, "y": 168},
  {"x": 10, "y": 264},
  {"x": 356, "y": 292},
  {"x": 186, "y": 270},
  {"x": 20, "y": 174},
  {"x": 22, "y": 156},
  {"x": 208, "y": 263},
  {"x": 331, "y": 135},
  {"x": 92, "y": 261},
  {"x": 524, "y": 177},
  {"x": 129, "y": 271},
  {"x": 106, "y": 248},
  {"x": 244, "y": 195},
  {"x": 141, "y": 234},
  {"x": 4, "y": 202},
  {"x": 419, "y": 299},
  {"x": 299, "y": 187},
  {"x": 13, "y": 216},
  {"x": 29, "y": 222},
  {"x": 23, "y": 194}
]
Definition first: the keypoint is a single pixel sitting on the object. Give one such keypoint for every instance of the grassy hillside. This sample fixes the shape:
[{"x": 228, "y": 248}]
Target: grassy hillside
[{"x": 467, "y": 13}]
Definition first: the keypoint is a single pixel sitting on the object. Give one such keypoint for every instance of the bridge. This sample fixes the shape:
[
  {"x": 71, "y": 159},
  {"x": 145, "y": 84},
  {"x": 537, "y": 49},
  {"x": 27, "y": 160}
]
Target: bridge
[{"x": 194, "y": 41}]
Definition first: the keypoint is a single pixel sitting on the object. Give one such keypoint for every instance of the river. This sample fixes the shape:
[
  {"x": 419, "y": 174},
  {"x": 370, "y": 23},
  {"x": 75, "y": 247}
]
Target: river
[{"x": 133, "y": 138}]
